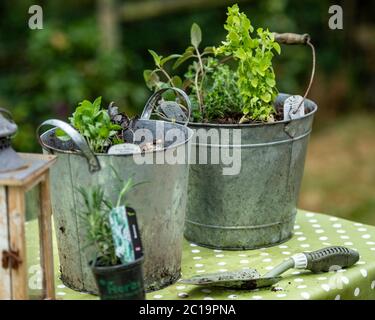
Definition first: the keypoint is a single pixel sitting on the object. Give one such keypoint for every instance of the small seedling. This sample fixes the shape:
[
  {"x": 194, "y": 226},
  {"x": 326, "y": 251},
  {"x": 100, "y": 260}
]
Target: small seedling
[{"x": 94, "y": 123}]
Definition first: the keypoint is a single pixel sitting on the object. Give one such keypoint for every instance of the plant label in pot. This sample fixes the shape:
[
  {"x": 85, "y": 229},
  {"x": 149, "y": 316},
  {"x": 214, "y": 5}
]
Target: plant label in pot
[
  {"x": 121, "y": 234},
  {"x": 172, "y": 110},
  {"x": 294, "y": 107}
]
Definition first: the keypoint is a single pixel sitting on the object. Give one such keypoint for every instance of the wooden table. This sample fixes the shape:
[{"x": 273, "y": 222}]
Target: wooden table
[{"x": 13, "y": 265}]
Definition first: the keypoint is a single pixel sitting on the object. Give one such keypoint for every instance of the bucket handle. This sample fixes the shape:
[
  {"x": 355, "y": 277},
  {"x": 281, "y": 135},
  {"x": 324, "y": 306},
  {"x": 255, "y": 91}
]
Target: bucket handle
[
  {"x": 77, "y": 138},
  {"x": 7, "y": 112},
  {"x": 151, "y": 103},
  {"x": 304, "y": 39}
]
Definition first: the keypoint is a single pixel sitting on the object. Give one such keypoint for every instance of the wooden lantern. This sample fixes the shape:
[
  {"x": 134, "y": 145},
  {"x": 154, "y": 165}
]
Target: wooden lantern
[{"x": 13, "y": 264}]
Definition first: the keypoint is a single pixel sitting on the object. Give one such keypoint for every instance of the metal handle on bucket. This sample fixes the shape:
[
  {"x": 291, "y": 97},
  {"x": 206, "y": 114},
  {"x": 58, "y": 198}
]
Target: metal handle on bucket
[
  {"x": 304, "y": 39},
  {"x": 7, "y": 112},
  {"x": 78, "y": 140},
  {"x": 151, "y": 103}
]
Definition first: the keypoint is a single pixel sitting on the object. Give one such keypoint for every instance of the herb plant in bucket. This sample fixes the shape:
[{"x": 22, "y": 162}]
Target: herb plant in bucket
[
  {"x": 95, "y": 124},
  {"x": 232, "y": 83}
]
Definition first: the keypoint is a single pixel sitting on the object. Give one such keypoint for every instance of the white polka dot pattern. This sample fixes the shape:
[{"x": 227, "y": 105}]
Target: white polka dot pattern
[{"x": 312, "y": 231}]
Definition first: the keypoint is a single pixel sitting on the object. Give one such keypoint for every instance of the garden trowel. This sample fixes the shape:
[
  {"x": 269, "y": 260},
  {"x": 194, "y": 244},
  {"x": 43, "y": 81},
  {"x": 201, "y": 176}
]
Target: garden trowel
[{"x": 324, "y": 260}]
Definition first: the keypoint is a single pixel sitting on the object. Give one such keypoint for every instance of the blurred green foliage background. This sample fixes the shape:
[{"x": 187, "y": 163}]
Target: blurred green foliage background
[{"x": 91, "y": 48}]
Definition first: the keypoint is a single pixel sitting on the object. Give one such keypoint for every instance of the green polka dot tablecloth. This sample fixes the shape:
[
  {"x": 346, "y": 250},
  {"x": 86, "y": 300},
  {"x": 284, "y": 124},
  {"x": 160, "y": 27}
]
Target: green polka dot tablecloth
[{"x": 311, "y": 232}]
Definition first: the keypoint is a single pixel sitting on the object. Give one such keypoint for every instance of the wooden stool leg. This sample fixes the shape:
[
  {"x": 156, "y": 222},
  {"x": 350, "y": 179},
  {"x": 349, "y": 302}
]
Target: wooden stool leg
[
  {"x": 45, "y": 236},
  {"x": 5, "y": 276},
  {"x": 16, "y": 205}
]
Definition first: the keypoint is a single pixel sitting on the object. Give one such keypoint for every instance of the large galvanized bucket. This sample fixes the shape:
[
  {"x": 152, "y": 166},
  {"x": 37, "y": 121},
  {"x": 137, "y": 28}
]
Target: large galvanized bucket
[
  {"x": 160, "y": 202},
  {"x": 256, "y": 207}
]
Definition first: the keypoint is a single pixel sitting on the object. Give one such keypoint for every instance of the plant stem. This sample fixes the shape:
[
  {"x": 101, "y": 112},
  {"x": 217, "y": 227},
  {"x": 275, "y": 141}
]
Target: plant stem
[
  {"x": 198, "y": 88},
  {"x": 123, "y": 191},
  {"x": 226, "y": 59},
  {"x": 167, "y": 75}
]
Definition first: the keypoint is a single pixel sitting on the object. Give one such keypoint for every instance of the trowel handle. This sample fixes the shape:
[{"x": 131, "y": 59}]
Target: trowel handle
[{"x": 324, "y": 260}]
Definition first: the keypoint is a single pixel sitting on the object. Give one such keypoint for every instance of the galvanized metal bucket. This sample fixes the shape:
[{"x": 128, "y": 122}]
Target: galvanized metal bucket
[
  {"x": 257, "y": 207},
  {"x": 160, "y": 202}
]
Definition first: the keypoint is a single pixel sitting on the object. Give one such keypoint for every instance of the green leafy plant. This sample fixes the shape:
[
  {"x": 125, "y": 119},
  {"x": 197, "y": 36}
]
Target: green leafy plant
[
  {"x": 95, "y": 218},
  {"x": 218, "y": 90},
  {"x": 195, "y": 76},
  {"x": 94, "y": 123},
  {"x": 152, "y": 77},
  {"x": 256, "y": 77}
]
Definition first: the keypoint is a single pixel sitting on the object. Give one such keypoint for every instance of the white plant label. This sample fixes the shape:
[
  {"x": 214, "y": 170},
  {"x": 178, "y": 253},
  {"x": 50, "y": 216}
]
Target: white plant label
[
  {"x": 124, "y": 148},
  {"x": 121, "y": 234},
  {"x": 293, "y": 108}
]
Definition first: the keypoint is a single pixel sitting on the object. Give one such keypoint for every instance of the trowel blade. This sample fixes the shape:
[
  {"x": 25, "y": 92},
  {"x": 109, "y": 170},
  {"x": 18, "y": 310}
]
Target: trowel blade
[{"x": 245, "y": 279}]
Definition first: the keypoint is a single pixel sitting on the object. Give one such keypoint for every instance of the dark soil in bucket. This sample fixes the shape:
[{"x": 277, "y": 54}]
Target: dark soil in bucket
[{"x": 235, "y": 118}]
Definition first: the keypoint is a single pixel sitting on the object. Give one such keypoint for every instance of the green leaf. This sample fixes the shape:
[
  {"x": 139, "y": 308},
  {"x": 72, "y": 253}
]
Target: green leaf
[
  {"x": 209, "y": 50},
  {"x": 195, "y": 35},
  {"x": 177, "y": 82},
  {"x": 271, "y": 82},
  {"x": 147, "y": 75},
  {"x": 266, "y": 97},
  {"x": 104, "y": 132},
  {"x": 277, "y": 47},
  {"x": 169, "y": 95},
  {"x": 240, "y": 53},
  {"x": 61, "y": 135},
  {"x": 233, "y": 36},
  {"x": 166, "y": 59},
  {"x": 151, "y": 78},
  {"x": 96, "y": 104},
  {"x": 187, "y": 55},
  {"x": 157, "y": 58},
  {"x": 116, "y": 127}
]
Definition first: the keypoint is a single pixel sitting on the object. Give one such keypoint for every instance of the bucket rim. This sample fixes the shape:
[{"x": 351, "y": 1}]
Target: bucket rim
[
  {"x": 190, "y": 134},
  {"x": 249, "y": 125}
]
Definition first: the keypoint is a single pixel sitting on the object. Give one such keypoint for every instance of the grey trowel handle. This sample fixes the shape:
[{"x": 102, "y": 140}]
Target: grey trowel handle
[
  {"x": 323, "y": 260},
  {"x": 318, "y": 261}
]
